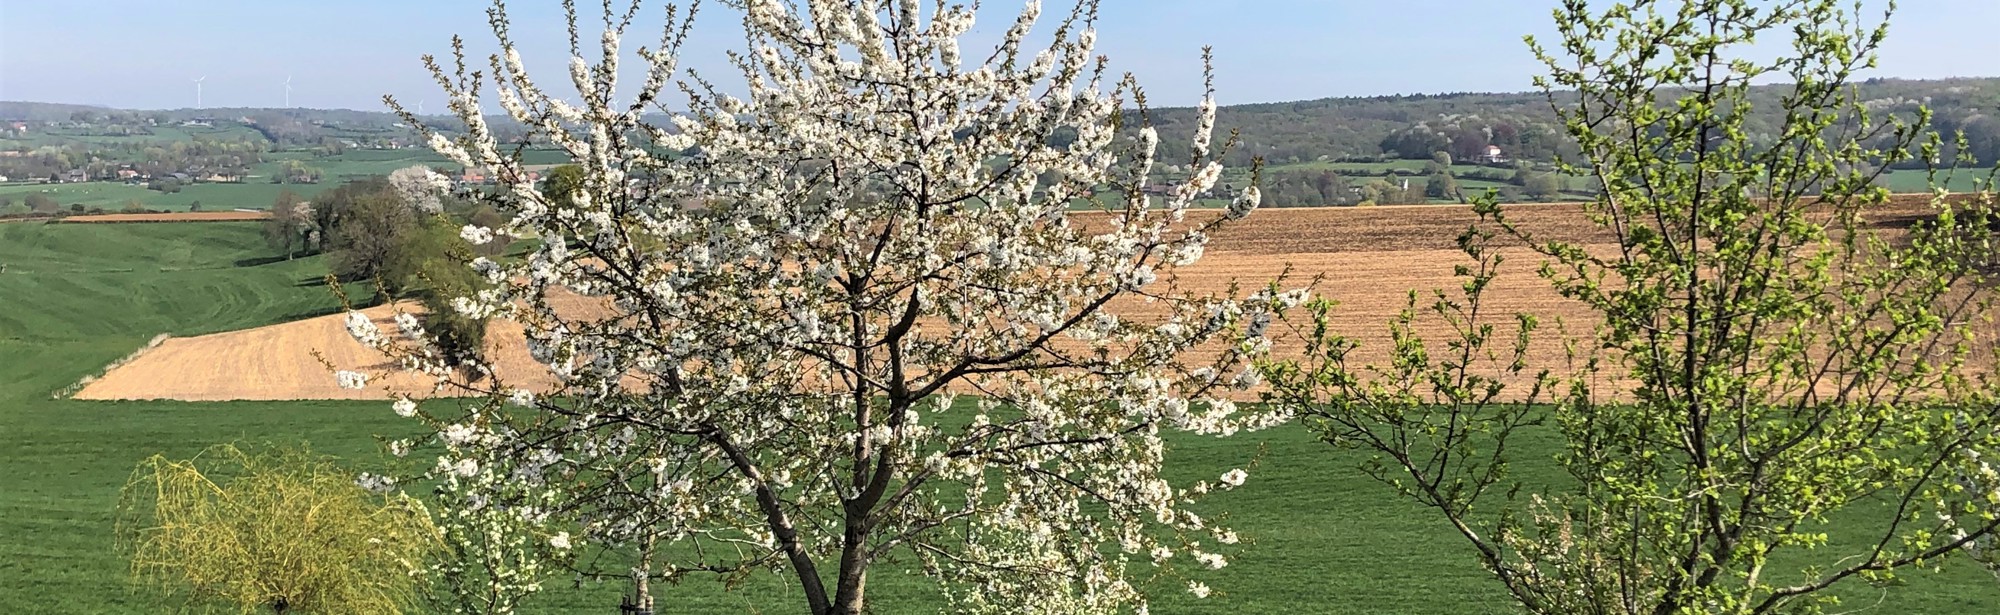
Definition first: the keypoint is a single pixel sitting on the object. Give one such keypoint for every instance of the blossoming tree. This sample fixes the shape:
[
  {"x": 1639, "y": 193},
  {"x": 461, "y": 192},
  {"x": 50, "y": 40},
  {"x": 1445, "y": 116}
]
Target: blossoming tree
[{"x": 845, "y": 319}]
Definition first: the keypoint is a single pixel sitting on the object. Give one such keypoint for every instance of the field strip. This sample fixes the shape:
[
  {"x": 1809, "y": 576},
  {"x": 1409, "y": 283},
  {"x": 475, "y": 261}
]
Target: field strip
[
  {"x": 1367, "y": 259},
  {"x": 278, "y": 362}
]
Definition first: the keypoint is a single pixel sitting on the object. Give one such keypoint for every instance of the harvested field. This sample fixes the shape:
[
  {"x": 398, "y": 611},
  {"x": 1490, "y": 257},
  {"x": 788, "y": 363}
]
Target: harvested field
[
  {"x": 1368, "y": 259},
  {"x": 265, "y": 363},
  {"x": 183, "y": 216}
]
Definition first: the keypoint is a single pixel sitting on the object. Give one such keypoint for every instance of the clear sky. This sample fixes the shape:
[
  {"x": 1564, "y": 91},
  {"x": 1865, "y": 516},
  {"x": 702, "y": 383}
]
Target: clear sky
[{"x": 145, "y": 53}]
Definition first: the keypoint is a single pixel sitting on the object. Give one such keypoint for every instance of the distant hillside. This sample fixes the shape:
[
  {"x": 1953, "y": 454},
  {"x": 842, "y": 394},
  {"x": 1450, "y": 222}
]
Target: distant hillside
[
  {"x": 1328, "y": 129},
  {"x": 1317, "y": 152},
  {"x": 1522, "y": 124}
]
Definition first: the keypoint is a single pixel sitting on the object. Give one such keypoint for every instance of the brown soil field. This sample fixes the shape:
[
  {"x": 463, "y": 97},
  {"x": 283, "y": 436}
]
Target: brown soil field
[
  {"x": 1368, "y": 259},
  {"x": 184, "y": 216}
]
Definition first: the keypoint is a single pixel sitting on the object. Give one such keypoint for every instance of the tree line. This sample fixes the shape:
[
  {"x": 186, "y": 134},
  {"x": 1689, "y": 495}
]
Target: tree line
[{"x": 375, "y": 233}]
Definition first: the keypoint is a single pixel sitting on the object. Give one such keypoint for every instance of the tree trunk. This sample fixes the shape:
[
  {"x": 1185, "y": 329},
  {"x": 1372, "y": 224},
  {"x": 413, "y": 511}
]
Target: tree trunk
[
  {"x": 850, "y": 597},
  {"x": 642, "y": 574}
]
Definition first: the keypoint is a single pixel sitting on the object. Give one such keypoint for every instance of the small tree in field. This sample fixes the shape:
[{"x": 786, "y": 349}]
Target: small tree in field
[
  {"x": 1782, "y": 397},
  {"x": 286, "y": 228},
  {"x": 763, "y": 368},
  {"x": 286, "y": 531}
]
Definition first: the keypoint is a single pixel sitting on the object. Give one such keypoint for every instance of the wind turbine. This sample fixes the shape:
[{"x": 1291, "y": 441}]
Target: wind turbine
[
  {"x": 288, "y": 91},
  {"x": 420, "y": 107},
  {"x": 197, "y": 91}
]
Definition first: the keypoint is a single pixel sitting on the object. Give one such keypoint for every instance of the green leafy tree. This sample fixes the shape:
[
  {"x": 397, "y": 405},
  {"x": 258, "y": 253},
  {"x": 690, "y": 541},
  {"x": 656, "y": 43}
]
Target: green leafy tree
[
  {"x": 287, "y": 531},
  {"x": 286, "y": 228},
  {"x": 1780, "y": 400},
  {"x": 561, "y": 182},
  {"x": 331, "y": 206},
  {"x": 1544, "y": 186},
  {"x": 1441, "y": 186},
  {"x": 371, "y": 242},
  {"x": 437, "y": 263}
]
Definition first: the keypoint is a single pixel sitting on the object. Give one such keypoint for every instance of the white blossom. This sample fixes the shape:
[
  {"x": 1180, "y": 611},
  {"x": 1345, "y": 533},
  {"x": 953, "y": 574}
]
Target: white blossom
[
  {"x": 1211, "y": 560},
  {"x": 363, "y": 329},
  {"x": 350, "y": 379},
  {"x": 420, "y": 187},
  {"x": 1244, "y": 203},
  {"x": 459, "y": 434},
  {"x": 476, "y": 235},
  {"x": 375, "y": 483},
  {"x": 410, "y": 326},
  {"x": 521, "y": 397},
  {"x": 404, "y": 407}
]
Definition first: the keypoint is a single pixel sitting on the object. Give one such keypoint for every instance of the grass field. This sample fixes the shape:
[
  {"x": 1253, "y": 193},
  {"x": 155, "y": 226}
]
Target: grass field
[
  {"x": 256, "y": 191},
  {"x": 160, "y": 134},
  {"x": 114, "y": 196},
  {"x": 1321, "y": 537}
]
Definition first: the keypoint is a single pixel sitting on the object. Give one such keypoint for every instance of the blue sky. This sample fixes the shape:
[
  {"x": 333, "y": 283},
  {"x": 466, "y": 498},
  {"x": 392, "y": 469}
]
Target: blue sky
[{"x": 145, "y": 53}]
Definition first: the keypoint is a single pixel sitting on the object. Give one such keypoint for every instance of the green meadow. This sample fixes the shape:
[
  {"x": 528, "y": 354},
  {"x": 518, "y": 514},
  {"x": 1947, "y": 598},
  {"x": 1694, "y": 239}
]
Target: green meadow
[{"x": 1320, "y": 536}]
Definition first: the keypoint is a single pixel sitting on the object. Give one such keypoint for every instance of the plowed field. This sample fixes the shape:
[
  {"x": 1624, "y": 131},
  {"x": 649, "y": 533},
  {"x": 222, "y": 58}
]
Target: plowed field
[{"x": 1369, "y": 259}]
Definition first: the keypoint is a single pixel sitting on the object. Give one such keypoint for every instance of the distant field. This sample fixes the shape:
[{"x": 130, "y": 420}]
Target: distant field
[
  {"x": 255, "y": 192},
  {"x": 160, "y": 134},
  {"x": 113, "y": 196},
  {"x": 184, "y": 216},
  {"x": 1320, "y": 536},
  {"x": 334, "y": 169}
]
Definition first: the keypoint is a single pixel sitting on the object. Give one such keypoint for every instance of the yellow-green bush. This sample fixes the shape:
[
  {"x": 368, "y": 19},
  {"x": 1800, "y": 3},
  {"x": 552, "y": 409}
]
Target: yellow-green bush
[{"x": 285, "y": 530}]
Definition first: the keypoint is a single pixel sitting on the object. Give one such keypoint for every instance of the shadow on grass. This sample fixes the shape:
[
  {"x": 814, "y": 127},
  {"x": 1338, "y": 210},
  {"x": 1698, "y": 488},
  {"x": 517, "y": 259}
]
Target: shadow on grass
[{"x": 260, "y": 261}]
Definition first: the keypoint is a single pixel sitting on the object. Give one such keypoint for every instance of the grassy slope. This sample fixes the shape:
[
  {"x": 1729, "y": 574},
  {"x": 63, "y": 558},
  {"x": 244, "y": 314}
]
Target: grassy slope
[{"x": 1322, "y": 538}]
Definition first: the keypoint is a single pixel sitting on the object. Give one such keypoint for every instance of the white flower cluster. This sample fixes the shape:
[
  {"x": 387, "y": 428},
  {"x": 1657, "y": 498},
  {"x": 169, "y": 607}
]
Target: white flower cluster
[
  {"x": 363, "y": 329},
  {"x": 476, "y": 235},
  {"x": 350, "y": 379},
  {"x": 375, "y": 483},
  {"x": 420, "y": 188}
]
